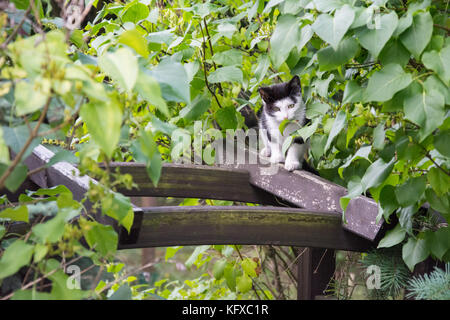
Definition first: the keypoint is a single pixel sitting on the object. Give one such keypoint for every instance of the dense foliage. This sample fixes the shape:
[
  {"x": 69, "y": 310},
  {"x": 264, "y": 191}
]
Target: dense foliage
[{"x": 117, "y": 85}]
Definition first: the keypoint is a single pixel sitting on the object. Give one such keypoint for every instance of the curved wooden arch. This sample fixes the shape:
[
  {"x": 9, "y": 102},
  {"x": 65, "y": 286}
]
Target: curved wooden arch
[
  {"x": 249, "y": 225},
  {"x": 199, "y": 225},
  {"x": 195, "y": 181}
]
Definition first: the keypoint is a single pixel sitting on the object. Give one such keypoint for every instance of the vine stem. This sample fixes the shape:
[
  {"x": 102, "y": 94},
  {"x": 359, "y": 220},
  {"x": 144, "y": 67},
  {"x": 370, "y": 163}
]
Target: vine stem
[
  {"x": 212, "y": 51},
  {"x": 437, "y": 165},
  {"x": 442, "y": 27},
  {"x": 19, "y": 156},
  {"x": 204, "y": 67},
  {"x": 16, "y": 30},
  {"x": 428, "y": 155}
]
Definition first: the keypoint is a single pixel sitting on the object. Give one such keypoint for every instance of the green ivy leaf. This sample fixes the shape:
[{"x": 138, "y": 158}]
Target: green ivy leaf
[
  {"x": 388, "y": 201},
  {"x": 30, "y": 97},
  {"x": 433, "y": 83},
  {"x": 338, "y": 125},
  {"x": 321, "y": 85},
  {"x": 385, "y": 83},
  {"x": 441, "y": 143},
  {"x": 173, "y": 80},
  {"x": 149, "y": 89},
  {"x": 52, "y": 230},
  {"x": 426, "y": 109},
  {"x": 226, "y": 74},
  {"x": 284, "y": 38},
  {"x": 21, "y": 4},
  {"x": 330, "y": 58},
  {"x": 118, "y": 207},
  {"x": 307, "y": 131},
  {"x": 439, "y": 181},
  {"x": 243, "y": 283},
  {"x": 198, "y": 251},
  {"x": 411, "y": 191},
  {"x": 123, "y": 293},
  {"x": 40, "y": 251},
  {"x": 374, "y": 39},
  {"x": 414, "y": 251},
  {"x": 103, "y": 121},
  {"x": 17, "y": 255},
  {"x": 394, "y": 52},
  {"x": 228, "y": 58},
  {"x": 53, "y": 191},
  {"x": 196, "y": 108},
  {"x": 16, "y": 177},
  {"x": 226, "y": 118},
  {"x": 171, "y": 251},
  {"x": 332, "y": 29},
  {"x": 249, "y": 266},
  {"x": 438, "y": 242},
  {"x": 440, "y": 204},
  {"x": 134, "y": 12},
  {"x": 362, "y": 153},
  {"x": 377, "y": 173},
  {"x": 316, "y": 109},
  {"x": 145, "y": 150},
  {"x": 135, "y": 40},
  {"x": 417, "y": 36},
  {"x": 392, "y": 237},
  {"x": 403, "y": 23},
  {"x": 230, "y": 273},
  {"x": 352, "y": 92},
  {"x": 63, "y": 156},
  {"x": 438, "y": 62},
  {"x": 101, "y": 237},
  {"x": 19, "y": 213},
  {"x": 378, "y": 137},
  {"x": 121, "y": 66},
  {"x": 219, "y": 268}
]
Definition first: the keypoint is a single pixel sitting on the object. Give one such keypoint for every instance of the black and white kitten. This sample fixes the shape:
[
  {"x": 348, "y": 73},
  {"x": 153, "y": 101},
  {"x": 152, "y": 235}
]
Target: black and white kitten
[{"x": 280, "y": 102}]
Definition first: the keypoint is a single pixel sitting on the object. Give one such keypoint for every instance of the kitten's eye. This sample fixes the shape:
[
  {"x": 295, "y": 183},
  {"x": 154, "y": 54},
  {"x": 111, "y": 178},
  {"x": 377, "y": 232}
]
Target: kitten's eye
[
  {"x": 291, "y": 106},
  {"x": 276, "y": 109}
]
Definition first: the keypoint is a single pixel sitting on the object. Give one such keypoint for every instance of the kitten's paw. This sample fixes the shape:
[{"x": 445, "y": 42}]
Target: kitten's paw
[
  {"x": 265, "y": 152},
  {"x": 292, "y": 165},
  {"x": 277, "y": 158}
]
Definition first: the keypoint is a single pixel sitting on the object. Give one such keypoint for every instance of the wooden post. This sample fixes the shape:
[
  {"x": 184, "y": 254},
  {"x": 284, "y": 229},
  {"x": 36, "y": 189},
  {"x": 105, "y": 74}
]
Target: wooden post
[
  {"x": 315, "y": 269},
  {"x": 148, "y": 255}
]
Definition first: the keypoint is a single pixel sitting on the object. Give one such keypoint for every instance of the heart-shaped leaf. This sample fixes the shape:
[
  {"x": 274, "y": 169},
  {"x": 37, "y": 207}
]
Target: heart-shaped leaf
[
  {"x": 374, "y": 39},
  {"x": 332, "y": 29}
]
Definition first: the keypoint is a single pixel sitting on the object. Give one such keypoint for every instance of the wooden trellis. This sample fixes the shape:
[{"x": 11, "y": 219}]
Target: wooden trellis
[{"x": 296, "y": 208}]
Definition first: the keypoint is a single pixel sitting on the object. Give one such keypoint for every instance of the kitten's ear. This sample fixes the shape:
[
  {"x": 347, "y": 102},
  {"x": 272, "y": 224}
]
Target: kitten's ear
[
  {"x": 265, "y": 94},
  {"x": 295, "y": 88}
]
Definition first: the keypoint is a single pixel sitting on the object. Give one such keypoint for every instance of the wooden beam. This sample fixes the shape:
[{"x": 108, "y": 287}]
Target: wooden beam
[
  {"x": 306, "y": 190},
  {"x": 66, "y": 174},
  {"x": 199, "y": 225},
  {"x": 194, "y": 181},
  {"x": 166, "y": 226}
]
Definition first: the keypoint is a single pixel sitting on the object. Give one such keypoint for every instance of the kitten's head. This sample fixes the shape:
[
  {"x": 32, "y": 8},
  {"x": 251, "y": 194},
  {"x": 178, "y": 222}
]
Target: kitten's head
[{"x": 284, "y": 100}]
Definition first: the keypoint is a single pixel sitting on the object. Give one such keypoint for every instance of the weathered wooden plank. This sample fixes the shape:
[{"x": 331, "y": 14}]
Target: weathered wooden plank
[
  {"x": 248, "y": 226},
  {"x": 306, "y": 190},
  {"x": 194, "y": 181},
  {"x": 64, "y": 173},
  {"x": 198, "y": 225}
]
